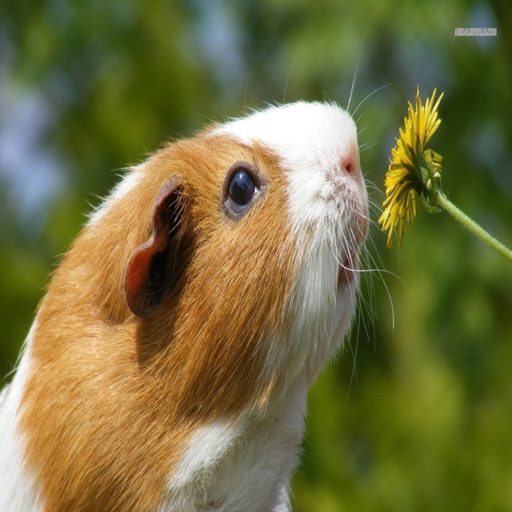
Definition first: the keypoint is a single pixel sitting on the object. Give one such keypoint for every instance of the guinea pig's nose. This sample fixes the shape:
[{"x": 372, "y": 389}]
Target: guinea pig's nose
[{"x": 350, "y": 166}]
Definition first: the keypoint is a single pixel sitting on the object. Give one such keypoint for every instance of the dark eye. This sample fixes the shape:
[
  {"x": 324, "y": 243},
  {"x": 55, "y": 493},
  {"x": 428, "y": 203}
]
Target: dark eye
[{"x": 241, "y": 188}]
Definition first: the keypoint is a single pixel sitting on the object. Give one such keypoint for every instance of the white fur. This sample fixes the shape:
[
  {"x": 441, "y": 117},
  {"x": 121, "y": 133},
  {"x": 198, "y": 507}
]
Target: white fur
[
  {"x": 244, "y": 464},
  {"x": 18, "y": 492}
]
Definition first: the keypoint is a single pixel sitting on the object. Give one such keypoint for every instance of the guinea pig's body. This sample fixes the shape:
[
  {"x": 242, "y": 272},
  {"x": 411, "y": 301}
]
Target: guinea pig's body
[{"x": 169, "y": 363}]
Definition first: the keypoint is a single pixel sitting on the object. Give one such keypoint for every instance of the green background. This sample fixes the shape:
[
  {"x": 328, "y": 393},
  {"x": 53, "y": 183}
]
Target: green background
[{"x": 416, "y": 412}]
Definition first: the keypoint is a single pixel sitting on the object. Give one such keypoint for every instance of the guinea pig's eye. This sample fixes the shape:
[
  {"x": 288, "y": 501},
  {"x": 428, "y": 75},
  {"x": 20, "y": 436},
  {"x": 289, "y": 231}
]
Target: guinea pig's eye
[{"x": 242, "y": 186}]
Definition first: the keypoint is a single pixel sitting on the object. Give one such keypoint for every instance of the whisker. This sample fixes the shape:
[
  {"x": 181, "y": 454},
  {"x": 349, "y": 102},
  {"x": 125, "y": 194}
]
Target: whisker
[
  {"x": 290, "y": 70},
  {"x": 369, "y": 96},
  {"x": 359, "y": 119},
  {"x": 353, "y": 352},
  {"x": 355, "y": 73},
  {"x": 375, "y": 266}
]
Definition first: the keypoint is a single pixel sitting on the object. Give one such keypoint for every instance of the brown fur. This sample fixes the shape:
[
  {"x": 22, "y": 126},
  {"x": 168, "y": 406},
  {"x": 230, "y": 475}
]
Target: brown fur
[{"x": 120, "y": 395}]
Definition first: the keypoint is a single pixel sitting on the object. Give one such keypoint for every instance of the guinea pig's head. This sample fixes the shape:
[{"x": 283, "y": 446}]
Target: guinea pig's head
[{"x": 243, "y": 269}]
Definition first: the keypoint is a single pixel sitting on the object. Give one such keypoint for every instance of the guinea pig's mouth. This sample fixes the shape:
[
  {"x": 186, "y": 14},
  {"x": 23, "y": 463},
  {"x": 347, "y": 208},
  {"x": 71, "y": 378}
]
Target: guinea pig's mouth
[{"x": 348, "y": 270}]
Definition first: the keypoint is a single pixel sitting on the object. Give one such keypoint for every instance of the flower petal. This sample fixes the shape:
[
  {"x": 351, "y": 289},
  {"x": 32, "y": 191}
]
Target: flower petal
[{"x": 411, "y": 166}]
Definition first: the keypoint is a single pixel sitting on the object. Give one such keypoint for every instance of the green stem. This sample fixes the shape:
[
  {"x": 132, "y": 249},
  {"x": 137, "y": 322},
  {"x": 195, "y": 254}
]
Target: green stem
[{"x": 443, "y": 202}]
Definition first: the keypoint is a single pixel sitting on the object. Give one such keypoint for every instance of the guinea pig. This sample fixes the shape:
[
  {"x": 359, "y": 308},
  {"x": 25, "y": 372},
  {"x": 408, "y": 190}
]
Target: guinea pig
[{"x": 169, "y": 363}]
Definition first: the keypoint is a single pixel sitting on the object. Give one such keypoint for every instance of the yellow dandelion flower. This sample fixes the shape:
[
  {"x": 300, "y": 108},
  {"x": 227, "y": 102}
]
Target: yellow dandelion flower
[{"x": 413, "y": 170}]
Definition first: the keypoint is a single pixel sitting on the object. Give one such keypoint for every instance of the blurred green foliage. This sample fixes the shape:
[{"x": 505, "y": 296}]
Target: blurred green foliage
[{"x": 416, "y": 413}]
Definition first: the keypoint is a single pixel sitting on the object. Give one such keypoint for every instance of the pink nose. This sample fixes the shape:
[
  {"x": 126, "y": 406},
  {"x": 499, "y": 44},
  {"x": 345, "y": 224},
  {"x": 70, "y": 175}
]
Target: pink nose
[{"x": 350, "y": 166}]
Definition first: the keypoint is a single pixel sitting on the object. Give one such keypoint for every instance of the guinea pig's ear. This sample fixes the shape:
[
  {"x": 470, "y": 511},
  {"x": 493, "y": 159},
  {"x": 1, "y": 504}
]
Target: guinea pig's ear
[{"x": 154, "y": 266}]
